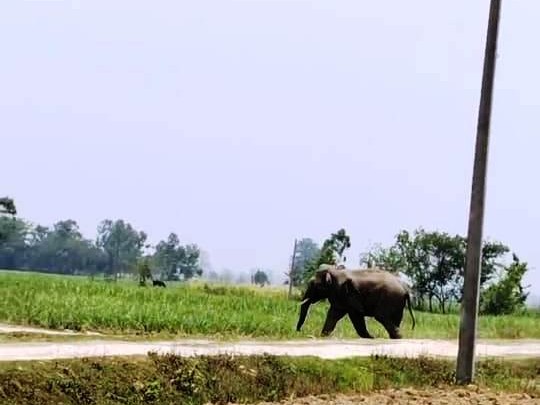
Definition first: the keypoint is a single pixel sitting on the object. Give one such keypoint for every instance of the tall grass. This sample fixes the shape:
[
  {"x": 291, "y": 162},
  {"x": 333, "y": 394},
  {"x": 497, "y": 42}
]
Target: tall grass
[{"x": 196, "y": 310}]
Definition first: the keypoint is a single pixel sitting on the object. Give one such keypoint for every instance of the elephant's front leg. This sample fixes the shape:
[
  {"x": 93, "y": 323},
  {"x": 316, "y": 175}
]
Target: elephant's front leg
[
  {"x": 359, "y": 324},
  {"x": 332, "y": 317}
]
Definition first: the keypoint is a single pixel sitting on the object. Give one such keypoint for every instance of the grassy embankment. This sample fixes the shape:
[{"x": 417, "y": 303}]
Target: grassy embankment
[
  {"x": 171, "y": 379},
  {"x": 197, "y": 310}
]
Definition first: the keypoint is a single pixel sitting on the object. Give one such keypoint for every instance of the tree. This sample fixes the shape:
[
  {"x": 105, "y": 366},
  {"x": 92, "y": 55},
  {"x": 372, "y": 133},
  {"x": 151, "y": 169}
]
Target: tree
[
  {"x": 122, "y": 244},
  {"x": 447, "y": 260},
  {"x": 13, "y": 247},
  {"x": 38, "y": 235},
  {"x": 306, "y": 252},
  {"x": 492, "y": 252},
  {"x": 7, "y": 206},
  {"x": 432, "y": 260},
  {"x": 331, "y": 252},
  {"x": 260, "y": 278},
  {"x": 143, "y": 270},
  {"x": 507, "y": 295},
  {"x": 12, "y": 233},
  {"x": 388, "y": 259},
  {"x": 174, "y": 260},
  {"x": 435, "y": 262},
  {"x": 189, "y": 261},
  {"x": 63, "y": 249},
  {"x": 167, "y": 257},
  {"x": 334, "y": 247}
]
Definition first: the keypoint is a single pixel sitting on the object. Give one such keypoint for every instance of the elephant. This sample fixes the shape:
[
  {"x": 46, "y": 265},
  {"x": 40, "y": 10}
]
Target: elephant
[{"x": 358, "y": 293}]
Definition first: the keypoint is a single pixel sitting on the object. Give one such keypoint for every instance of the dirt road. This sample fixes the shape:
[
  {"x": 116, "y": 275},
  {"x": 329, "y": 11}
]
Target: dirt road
[
  {"x": 458, "y": 396},
  {"x": 324, "y": 348}
]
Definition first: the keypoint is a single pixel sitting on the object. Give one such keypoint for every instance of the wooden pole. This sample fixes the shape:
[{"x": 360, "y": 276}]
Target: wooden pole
[
  {"x": 291, "y": 272},
  {"x": 469, "y": 306}
]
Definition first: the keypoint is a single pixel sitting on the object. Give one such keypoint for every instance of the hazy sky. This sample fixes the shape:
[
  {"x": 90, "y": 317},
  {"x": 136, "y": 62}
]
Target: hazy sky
[{"x": 241, "y": 125}]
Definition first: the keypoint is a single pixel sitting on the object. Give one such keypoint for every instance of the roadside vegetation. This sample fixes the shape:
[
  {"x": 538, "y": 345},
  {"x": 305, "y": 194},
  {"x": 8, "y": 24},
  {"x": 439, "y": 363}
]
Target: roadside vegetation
[
  {"x": 199, "y": 309},
  {"x": 166, "y": 379}
]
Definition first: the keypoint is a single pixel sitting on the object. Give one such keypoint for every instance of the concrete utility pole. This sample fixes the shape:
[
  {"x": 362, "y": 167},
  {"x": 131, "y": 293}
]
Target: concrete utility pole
[{"x": 469, "y": 306}]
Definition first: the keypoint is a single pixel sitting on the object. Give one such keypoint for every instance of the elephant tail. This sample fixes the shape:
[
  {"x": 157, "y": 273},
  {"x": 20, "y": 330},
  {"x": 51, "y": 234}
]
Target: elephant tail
[{"x": 408, "y": 301}]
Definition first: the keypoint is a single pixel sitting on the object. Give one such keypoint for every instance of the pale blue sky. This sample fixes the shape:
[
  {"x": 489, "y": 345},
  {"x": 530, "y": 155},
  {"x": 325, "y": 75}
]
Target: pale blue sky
[{"x": 241, "y": 125}]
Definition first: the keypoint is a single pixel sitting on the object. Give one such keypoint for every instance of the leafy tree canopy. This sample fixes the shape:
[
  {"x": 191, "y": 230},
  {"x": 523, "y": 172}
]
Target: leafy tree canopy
[
  {"x": 260, "y": 278},
  {"x": 175, "y": 260},
  {"x": 7, "y": 206},
  {"x": 435, "y": 263},
  {"x": 331, "y": 252}
]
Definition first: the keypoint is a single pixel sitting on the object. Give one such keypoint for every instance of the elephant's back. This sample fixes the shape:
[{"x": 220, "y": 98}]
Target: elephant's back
[{"x": 378, "y": 280}]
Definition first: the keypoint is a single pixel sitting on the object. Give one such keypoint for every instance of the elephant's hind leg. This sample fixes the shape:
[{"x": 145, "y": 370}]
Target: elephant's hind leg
[
  {"x": 332, "y": 317},
  {"x": 359, "y": 324},
  {"x": 397, "y": 317},
  {"x": 391, "y": 328}
]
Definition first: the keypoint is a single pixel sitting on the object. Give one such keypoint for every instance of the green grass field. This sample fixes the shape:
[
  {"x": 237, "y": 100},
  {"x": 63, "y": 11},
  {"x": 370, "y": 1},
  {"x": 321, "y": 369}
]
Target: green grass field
[{"x": 197, "y": 310}]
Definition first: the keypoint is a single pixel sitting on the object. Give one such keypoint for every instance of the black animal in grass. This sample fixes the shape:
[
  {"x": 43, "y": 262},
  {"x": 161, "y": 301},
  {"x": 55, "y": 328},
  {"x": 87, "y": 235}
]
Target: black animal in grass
[{"x": 158, "y": 283}]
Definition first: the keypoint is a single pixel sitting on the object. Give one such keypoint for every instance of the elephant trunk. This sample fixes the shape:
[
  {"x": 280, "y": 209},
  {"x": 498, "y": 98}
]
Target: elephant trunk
[{"x": 303, "y": 313}]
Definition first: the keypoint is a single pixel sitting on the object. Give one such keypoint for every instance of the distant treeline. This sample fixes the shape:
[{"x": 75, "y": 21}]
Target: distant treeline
[{"x": 117, "y": 249}]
